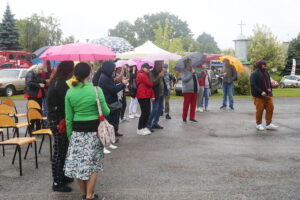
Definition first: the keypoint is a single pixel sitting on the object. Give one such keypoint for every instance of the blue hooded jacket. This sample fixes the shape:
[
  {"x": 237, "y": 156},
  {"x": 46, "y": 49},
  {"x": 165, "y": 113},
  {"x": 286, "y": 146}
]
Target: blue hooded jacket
[{"x": 107, "y": 84}]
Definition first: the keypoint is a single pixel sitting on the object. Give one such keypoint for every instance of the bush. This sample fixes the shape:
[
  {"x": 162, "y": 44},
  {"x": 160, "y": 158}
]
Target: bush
[{"x": 242, "y": 85}]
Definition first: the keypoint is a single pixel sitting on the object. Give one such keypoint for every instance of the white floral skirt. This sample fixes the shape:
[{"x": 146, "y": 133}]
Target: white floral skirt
[{"x": 85, "y": 155}]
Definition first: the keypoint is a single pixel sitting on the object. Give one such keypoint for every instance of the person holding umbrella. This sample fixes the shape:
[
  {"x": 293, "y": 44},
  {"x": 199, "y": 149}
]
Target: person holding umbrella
[
  {"x": 190, "y": 89},
  {"x": 261, "y": 89},
  {"x": 229, "y": 75}
]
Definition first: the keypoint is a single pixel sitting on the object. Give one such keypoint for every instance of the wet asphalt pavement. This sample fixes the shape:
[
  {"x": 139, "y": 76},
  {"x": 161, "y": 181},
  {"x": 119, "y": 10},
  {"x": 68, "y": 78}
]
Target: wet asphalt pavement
[{"x": 221, "y": 157}]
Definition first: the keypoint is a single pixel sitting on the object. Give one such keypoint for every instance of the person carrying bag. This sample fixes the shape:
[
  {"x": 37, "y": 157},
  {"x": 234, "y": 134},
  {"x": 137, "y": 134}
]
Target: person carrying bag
[{"x": 106, "y": 132}]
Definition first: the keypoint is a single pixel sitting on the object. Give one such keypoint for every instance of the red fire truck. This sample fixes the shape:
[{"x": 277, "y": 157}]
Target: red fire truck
[{"x": 15, "y": 59}]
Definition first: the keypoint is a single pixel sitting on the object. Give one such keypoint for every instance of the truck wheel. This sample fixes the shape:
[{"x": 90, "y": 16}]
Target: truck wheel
[{"x": 9, "y": 91}]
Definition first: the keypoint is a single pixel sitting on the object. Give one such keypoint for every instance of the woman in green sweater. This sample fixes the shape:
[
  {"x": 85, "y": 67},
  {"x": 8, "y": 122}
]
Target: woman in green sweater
[{"x": 85, "y": 154}]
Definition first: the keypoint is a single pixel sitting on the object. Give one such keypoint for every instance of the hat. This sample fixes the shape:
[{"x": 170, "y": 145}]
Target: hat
[
  {"x": 166, "y": 65},
  {"x": 145, "y": 65},
  {"x": 260, "y": 63}
]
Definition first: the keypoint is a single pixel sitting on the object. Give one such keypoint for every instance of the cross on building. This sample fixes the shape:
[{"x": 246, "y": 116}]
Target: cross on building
[{"x": 241, "y": 24}]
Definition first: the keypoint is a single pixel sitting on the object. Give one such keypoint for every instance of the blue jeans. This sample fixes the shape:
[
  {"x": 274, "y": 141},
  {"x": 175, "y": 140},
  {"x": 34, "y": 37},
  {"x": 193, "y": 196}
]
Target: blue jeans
[
  {"x": 45, "y": 110},
  {"x": 206, "y": 95},
  {"x": 157, "y": 108},
  {"x": 228, "y": 91}
]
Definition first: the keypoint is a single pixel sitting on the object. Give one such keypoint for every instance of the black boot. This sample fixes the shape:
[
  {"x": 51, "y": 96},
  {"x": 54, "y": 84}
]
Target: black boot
[
  {"x": 168, "y": 116},
  {"x": 61, "y": 188},
  {"x": 67, "y": 180}
]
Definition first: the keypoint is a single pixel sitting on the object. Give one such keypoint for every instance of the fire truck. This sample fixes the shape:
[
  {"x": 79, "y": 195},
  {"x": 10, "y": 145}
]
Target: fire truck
[{"x": 15, "y": 59}]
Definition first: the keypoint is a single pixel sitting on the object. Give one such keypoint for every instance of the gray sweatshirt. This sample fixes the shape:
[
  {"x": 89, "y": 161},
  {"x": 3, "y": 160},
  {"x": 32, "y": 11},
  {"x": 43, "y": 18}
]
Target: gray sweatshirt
[{"x": 188, "y": 82}]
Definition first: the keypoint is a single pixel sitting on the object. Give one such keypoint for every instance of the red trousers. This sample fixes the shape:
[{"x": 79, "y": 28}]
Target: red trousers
[{"x": 190, "y": 101}]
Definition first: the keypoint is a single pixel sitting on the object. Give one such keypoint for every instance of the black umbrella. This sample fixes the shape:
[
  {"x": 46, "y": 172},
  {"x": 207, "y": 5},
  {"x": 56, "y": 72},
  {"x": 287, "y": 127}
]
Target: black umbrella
[
  {"x": 197, "y": 59},
  {"x": 41, "y": 50}
]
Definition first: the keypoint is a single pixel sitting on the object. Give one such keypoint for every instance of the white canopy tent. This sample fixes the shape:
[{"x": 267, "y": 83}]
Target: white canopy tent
[{"x": 147, "y": 49}]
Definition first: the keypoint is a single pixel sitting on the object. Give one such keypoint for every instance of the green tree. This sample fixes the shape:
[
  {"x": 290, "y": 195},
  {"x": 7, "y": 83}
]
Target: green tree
[
  {"x": 189, "y": 44},
  {"x": 144, "y": 28},
  {"x": 208, "y": 43},
  {"x": 162, "y": 35},
  {"x": 125, "y": 30},
  {"x": 9, "y": 35},
  {"x": 264, "y": 45},
  {"x": 175, "y": 45},
  {"x": 38, "y": 31},
  {"x": 293, "y": 52},
  {"x": 145, "y": 25},
  {"x": 68, "y": 40}
]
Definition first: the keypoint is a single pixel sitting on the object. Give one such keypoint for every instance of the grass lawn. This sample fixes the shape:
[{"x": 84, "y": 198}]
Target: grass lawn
[{"x": 280, "y": 92}]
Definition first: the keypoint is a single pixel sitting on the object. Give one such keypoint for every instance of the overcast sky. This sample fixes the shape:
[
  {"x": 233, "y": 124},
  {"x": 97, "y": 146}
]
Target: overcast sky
[{"x": 90, "y": 19}]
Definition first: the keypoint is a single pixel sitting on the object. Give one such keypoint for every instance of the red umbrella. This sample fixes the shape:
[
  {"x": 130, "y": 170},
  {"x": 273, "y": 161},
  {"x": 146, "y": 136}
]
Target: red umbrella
[{"x": 78, "y": 52}]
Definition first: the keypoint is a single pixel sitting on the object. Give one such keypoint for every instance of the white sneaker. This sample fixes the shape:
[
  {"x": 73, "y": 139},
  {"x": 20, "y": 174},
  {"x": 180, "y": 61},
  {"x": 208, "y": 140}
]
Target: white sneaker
[
  {"x": 260, "y": 127},
  {"x": 136, "y": 115},
  {"x": 271, "y": 127},
  {"x": 200, "y": 109},
  {"x": 146, "y": 130},
  {"x": 106, "y": 151},
  {"x": 111, "y": 146},
  {"x": 142, "y": 132},
  {"x": 131, "y": 116}
]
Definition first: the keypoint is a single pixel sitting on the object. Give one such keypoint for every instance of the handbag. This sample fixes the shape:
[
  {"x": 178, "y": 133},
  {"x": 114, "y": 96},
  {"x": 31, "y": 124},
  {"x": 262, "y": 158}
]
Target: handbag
[
  {"x": 61, "y": 126},
  {"x": 106, "y": 132}
]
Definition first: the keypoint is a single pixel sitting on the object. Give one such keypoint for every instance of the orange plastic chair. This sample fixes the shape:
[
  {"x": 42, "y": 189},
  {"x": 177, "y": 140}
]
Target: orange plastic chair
[
  {"x": 36, "y": 105},
  {"x": 7, "y": 121},
  {"x": 11, "y": 103},
  {"x": 34, "y": 114}
]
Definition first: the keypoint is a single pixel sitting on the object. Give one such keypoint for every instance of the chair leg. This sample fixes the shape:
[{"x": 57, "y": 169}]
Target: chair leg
[
  {"x": 35, "y": 153},
  {"x": 42, "y": 143},
  {"x": 26, "y": 132},
  {"x": 3, "y": 150},
  {"x": 20, "y": 160},
  {"x": 16, "y": 131},
  {"x": 13, "y": 161},
  {"x": 27, "y": 151},
  {"x": 50, "y": 138},
  {"x": 7, "y": 132}
]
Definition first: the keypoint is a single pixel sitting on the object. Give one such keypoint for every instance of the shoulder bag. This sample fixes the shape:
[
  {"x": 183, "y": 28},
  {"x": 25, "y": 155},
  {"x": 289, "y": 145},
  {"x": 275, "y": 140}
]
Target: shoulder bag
[{"x": 106, "y": 132}]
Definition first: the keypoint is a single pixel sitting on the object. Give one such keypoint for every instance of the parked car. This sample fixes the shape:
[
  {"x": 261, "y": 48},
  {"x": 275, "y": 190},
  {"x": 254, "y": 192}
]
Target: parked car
[
  {"x": 12, "y": 81},
  {"x": 213, "y": 81},
  {"x": 290, "y": 81},
  {"x": 274, "y": 83}
]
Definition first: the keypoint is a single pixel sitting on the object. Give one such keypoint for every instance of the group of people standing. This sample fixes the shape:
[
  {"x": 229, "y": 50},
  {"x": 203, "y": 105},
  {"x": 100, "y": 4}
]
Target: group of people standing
[{"x": 71, "y": 100}]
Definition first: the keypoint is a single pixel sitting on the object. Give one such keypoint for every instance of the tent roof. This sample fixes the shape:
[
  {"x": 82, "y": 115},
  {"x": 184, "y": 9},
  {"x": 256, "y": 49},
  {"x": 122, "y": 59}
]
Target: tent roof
[{"x": 146, "y": 49}]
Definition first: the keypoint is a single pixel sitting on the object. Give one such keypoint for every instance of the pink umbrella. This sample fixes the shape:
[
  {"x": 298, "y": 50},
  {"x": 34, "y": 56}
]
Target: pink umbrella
[
  {"x": 163, "y": 56},
  {"x": 120, "y": 63},
  {"x": 78, "y": 52},
  {"x": 140, "y": 62}
]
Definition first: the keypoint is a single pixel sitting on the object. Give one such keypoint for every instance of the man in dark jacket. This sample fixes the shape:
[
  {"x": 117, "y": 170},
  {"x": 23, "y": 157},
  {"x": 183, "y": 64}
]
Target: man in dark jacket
[
  {"x": 261, "y": 89},
  {"x": 156, "y": 76},
  {"x": 110, "y": 90},
  {"x": 230, "y": 75}
]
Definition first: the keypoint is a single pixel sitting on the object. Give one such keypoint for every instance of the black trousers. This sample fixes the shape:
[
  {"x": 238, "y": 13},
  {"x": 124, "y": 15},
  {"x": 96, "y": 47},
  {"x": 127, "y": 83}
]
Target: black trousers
[
  {"x": 124, "y": 104},
  {"x": 113, "y": 118},
  {"x": 60, "y": 149},
  {"x": 145, "y": 105}
]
